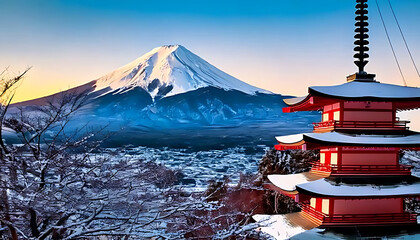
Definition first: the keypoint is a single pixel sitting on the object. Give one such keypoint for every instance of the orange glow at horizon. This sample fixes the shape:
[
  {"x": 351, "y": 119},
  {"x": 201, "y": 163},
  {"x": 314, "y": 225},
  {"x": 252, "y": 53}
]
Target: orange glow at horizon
[{"x": 286, "y": 79}]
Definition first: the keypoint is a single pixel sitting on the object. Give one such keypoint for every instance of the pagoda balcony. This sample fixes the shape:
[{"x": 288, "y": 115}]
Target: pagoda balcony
[
  {"x": 377, "y": 219},
  {"x": 343, "y": 170},
  {"x": 359, "y": 125},
  {"x": 312, "y": 213}
]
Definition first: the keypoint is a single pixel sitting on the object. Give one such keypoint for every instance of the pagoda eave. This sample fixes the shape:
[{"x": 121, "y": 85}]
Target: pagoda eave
[
  {"x": 309, "y": 141},
  {"x": 404, "y": 98},
  {"x": 290, "y": 224},
  {"x": 413, "y": 100},
  {"x": 288, "y": 183},
  {"x": 303, "y": 194},
  {"x": 316, "y": 102},
  {"x": 291, "y": 194},
  {"x": 308, "y": 103},
  {"x": 367, "y": 91},
  {"x": 325, "y": 188}
]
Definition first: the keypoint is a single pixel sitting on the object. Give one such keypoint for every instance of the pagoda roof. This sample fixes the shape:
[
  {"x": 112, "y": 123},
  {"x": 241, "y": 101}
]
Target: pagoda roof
[
  {"x": 284, "y": 226},
  {"x": 324, "y": 187},
  {"x": 295, "y": 100},
  {"x": 367, "y": 91},
  {"x": 410, "y": 140},
  {"x": 407, "y": 97},
  {"x": 288, "y": 182}
]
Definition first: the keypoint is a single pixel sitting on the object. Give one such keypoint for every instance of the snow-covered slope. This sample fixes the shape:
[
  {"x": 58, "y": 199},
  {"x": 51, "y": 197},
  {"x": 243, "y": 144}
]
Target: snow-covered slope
[
  {"x": 169, "y": 91},
  {"x": 171, "y": 70}
]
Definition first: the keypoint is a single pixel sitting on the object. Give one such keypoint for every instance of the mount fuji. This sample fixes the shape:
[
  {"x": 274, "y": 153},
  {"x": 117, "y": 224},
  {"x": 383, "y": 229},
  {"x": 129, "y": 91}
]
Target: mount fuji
[
  {"x": 171, "y": 92},
  {"x": 170, "y": 70}
]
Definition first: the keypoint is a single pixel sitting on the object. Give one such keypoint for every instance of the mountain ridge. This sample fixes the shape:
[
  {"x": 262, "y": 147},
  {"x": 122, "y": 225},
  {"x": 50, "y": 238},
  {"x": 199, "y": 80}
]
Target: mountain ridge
[
  {"x": 172, "y": 75},
  {"x": 137, "y": 104},
  {"x": 171, "y": 70}
]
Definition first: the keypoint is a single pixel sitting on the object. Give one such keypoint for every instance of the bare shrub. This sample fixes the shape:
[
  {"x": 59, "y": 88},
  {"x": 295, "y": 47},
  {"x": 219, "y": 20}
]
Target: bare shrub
[{"x": 287, "y": 162}]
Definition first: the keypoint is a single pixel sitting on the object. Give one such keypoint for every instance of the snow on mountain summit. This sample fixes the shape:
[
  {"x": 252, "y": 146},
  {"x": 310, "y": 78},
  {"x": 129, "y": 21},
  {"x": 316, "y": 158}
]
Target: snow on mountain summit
[{"x": 171, "y": 70}]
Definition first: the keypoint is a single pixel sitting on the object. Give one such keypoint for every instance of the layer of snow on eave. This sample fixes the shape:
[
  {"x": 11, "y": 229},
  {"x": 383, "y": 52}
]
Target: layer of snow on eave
[
  {"x": 288, "y": 182},
  {"x": 290, "y": 139},
  {"x": 277, "y": 226},
  {"x": 293, "y": 101},
  {"x": 369, "y": 89},
  {"x": 365, "y": 139},
  {"x": 328, "y": 188}
]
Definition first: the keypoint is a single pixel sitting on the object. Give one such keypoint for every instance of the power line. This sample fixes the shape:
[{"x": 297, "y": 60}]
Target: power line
[
  {"x": 390, "y": 43},
  {"x": 405, "y": 42}
]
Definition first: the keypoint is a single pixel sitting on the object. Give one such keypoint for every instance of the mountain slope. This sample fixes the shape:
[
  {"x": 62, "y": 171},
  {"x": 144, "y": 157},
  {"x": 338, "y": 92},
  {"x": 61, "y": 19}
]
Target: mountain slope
[
  {"x": 204, "y": 106},
  {"x": 171, "y": 94},
  {"x": 171, "y": 70}
]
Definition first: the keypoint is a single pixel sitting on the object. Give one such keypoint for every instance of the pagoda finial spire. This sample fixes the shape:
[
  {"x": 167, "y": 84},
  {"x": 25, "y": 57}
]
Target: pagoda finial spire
[
  {"x": 361, "y": 43},
  {"x": 361, "y": 35}
]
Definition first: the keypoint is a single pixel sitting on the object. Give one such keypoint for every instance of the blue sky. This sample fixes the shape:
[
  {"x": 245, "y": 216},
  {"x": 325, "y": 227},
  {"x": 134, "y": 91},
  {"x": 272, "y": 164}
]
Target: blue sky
[{"x": 282, "y": 46}]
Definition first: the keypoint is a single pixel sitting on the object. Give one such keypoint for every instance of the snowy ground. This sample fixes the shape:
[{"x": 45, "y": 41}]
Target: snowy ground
[{"x": 198, "y": 167}]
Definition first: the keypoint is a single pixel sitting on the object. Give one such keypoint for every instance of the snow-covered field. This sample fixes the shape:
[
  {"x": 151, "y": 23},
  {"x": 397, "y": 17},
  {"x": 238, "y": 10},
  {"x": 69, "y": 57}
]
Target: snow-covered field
[{"x": 198, "y": 167}]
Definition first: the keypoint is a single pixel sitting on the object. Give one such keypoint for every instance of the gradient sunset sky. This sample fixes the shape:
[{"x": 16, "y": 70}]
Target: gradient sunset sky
[{"x": 282, "y": 46}]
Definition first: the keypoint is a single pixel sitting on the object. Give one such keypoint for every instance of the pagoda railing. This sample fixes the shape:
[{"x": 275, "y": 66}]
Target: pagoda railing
[
  {"x": 332, "y": 124},
  {"x": 306, "y": 208},
  {"x": 321, "y": 167},
  {"x": 361, "y": 168},
  {"x": 371, "y": 218},
  {"x": 358, "y": 218}
]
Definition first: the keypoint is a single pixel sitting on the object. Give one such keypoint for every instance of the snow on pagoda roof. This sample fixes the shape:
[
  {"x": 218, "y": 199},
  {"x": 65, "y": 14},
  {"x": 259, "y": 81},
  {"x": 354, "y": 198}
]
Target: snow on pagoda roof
[
  {"x": 357, "y": 89},
  {"x": 284, "y": 226},
  {"x": 290, "y": 139},
  {"x": 352, "y": 139},
  {"x": 289, "y": 182},
  {"x": 292, "y": 101},
  {"x": 329, "y": 188}
]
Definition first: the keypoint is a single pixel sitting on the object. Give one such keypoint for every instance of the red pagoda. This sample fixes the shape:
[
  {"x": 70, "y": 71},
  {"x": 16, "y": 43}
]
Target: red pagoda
[{"x": 358, "y": 180}]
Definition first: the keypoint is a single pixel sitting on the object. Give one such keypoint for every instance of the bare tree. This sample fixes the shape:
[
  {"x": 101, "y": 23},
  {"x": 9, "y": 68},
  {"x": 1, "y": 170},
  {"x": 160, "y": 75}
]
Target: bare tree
[
  {"x": 59, "y": 184},
  {"x": 6, "y": 96}
]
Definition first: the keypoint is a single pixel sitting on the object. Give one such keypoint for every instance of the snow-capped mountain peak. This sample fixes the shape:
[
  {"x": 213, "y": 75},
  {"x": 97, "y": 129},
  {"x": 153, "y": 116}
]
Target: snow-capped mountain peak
[{"x": 171, "y": 70}]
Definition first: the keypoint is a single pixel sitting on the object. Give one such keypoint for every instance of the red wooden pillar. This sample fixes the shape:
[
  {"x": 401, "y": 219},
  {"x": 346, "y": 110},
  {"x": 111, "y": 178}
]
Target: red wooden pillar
[
  {"x": 339, "y": 157},
  {"x": 331, "y": 207},
  {"x": 394, "y": 114}
]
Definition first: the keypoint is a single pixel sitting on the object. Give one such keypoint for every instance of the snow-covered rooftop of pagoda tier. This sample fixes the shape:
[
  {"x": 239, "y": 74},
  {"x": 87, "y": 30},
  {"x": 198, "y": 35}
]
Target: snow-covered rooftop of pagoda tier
[
  {"x": 283, "y": 226},
  {"x": 293, "y": 101},
  {"x": 357, "y": 89},
  {"x": 289, "y": 182},
  {"x": 330, "y": 188},
  {"x": 361, "y": 90},
  {"x": 353, "y": 139},
  {"x": 290, "y": 139}
]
